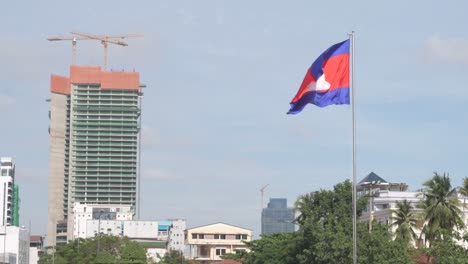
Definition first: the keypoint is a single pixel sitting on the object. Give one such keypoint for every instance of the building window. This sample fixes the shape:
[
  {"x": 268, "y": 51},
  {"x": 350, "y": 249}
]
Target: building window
[
  {"x": 219, "y": 236},
  {"x": 201, "y": 236},
  {"x": 220, "y": 251},
  {"x": 239, "y": 237},
  {"x": 194, "y": 236}
]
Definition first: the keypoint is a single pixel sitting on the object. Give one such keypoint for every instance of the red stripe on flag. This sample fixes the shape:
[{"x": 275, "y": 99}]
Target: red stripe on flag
[
  {"x": 308, "y": 80},
  {"x": 336, "y": 70}
]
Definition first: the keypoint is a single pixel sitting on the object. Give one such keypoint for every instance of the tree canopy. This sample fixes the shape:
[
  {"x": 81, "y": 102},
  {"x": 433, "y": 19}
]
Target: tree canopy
[{"x": 112, "y": 249}]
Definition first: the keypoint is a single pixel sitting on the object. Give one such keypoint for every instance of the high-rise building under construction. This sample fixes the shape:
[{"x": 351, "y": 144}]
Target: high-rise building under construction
[{"x": 94, "y": 143}]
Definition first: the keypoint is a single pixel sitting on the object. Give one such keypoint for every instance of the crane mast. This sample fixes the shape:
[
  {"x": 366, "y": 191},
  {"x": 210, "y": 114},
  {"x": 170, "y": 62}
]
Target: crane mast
[{"x": 262, "y": 191}]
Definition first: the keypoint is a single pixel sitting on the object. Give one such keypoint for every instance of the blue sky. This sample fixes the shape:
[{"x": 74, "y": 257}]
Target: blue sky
[{"x": 220, "y": 75}]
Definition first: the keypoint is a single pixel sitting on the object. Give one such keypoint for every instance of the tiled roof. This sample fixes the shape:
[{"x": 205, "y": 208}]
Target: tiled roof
[{"x": 35, "y": 238}]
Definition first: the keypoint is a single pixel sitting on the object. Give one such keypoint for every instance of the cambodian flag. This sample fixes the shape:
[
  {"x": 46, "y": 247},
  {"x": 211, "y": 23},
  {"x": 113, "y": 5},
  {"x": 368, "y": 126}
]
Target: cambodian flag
[{"x": 327, "y": 80}]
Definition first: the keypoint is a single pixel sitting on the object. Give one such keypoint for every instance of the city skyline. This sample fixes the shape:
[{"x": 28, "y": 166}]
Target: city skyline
[{"x": 220, "y": 76}]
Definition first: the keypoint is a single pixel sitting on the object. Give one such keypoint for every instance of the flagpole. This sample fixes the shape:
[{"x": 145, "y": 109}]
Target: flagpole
[{"x": 353, "y": 110}]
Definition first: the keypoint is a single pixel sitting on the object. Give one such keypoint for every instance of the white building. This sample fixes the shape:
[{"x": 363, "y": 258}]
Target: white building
[
  {"x": 7, "y": 183},
  {"x": 176, "y": 235},
  {"x": 36, "y": 248},
  {"x": 82, "y": 213},
  {"x": 207, "y": 243},
  {"x": 154, "y": 236},
  {"x": 117, "y": 220},
  {"x": 14, "y": 242}
]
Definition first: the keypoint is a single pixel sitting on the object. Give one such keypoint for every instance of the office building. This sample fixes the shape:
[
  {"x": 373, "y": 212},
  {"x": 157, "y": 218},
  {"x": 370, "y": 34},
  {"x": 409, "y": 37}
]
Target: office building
[
  {"x": 94, "y": 141},
  {"x": 9, "y": 193},
  {"x": 277, "y": 217}
]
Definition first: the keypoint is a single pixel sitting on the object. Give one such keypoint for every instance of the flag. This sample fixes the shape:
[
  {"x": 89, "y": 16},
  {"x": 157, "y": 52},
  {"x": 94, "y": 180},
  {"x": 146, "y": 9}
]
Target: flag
[{"x": 326, "y": 81}]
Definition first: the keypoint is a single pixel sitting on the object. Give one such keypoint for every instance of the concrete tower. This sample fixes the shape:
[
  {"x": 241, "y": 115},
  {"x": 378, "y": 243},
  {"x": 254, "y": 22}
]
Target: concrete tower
[{"x": 94, "y": 140}]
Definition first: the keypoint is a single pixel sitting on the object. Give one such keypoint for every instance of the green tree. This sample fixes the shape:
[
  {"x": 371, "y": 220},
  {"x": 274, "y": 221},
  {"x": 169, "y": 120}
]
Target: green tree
[
  {"x": 464, "y": 190},
  {"x": 325, "y": 232},
  {"x": 325, "y": 226},
  {"x": 104, "y": 257},
  {"x": 270, "y": 249},
  {"x": 325, "y": 235},
  {"x": 447, "y": 251},
  {"x": 132, "y": 252},
  {"x": 405, "y": 221},
  {"x": 379, "y": 247},
  {"x": 112, "y": 249},
  {"x": 441, "y": 208},
  {"x": 175, "y": 257},
  {"x": 239, "y": 255}
]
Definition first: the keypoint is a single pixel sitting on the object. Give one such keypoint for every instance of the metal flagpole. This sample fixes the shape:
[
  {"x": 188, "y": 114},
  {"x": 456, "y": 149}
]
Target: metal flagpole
[{"x": 353, "y": 110}]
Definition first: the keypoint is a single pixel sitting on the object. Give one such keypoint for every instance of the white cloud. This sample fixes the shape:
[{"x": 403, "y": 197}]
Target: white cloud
[{"x": 437, "y": 49}]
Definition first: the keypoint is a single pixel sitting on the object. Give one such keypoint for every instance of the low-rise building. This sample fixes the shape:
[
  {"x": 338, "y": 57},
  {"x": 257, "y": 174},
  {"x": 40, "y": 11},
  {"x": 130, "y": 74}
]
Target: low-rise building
[
  {"x": 208, "y": 243},
  {"x": 15, "y": 244},
  {"x": 83, "y": 213},
  {"x": 36, "y": 248},
  {"x": 176, "y": 235}
]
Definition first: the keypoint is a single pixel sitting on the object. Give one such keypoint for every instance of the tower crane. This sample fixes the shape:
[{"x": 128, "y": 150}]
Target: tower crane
[
  {"x": 73, "y": 39},
  {"x": 105, "y": 39},
  {"x": 262, "y": 191}
]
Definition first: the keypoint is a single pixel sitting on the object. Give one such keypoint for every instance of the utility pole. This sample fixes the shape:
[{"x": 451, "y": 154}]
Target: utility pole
[{"x": 371, "y": 203}]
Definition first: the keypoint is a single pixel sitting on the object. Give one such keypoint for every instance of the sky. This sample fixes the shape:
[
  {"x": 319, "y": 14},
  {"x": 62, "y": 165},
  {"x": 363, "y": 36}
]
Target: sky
[{"x": 220, "y": 76}]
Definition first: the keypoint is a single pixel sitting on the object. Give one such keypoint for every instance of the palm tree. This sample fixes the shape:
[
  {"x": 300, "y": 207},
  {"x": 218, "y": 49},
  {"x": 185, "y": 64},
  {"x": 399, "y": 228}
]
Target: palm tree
[
  {"x": 303, "y": 206},
  {"x": 441, "y": 207},
  {"x": 405, "y": 221},
  {"x": 464, "y": 191}
]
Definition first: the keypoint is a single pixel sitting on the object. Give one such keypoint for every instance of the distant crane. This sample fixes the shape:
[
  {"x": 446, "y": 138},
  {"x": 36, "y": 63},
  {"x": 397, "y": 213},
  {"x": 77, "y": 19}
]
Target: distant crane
[
  {"x": 105, "y": 39},
  {"x": 262, "y": 191}
]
